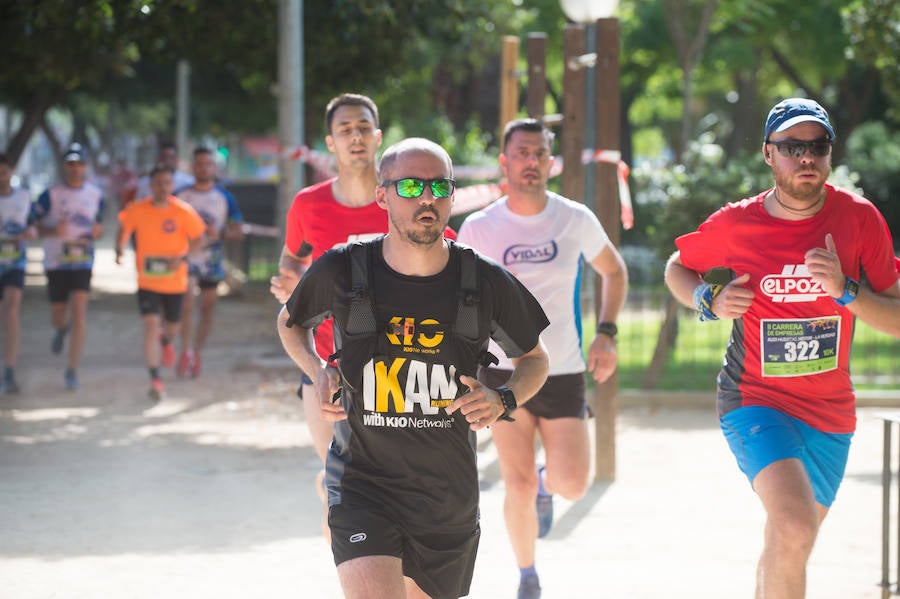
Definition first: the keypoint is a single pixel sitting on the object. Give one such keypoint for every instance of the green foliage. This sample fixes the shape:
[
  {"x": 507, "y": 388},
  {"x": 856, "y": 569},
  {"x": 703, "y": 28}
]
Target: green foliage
[
  {"x": 672, "y": 200},
  {"x": 53, "y": 47},
  {"x": 874, "y": 152},
  {"x": 873, "y": 28}
]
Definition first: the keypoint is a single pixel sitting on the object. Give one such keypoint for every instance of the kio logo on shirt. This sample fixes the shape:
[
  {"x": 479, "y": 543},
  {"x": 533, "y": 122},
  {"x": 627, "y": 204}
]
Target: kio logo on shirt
[
  {"x": 794, "y": 284},
  {"x": 518, "y": 254}
]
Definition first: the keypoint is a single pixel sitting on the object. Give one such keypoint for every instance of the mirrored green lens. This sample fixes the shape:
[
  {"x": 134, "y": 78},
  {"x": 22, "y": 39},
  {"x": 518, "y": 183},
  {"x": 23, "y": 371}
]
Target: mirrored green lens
[
  {"x": 410, "y": 188},
  {"x": 441, "y": 188}
]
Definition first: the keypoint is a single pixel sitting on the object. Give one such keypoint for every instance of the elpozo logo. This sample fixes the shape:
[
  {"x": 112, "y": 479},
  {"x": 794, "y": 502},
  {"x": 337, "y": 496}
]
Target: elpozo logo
[
  {"x": 518, "y": 254},
  {"x": 794, "y": 284}
]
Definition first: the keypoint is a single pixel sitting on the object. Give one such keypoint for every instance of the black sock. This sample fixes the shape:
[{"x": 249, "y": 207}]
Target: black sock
[{"x": 154, "y": 373}]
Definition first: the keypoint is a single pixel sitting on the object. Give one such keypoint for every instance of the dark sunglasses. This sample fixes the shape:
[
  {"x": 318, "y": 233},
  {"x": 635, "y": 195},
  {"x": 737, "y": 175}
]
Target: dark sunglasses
[
  {"x": 412, "y": 188},
  {"x": 796, "y": 149}
]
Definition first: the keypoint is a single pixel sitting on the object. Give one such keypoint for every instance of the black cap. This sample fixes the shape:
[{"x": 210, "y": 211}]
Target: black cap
[{"x": 75, "y": 153}]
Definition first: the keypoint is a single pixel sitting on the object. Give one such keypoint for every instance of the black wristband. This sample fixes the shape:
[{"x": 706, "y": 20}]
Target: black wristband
[
  {"x": 607, "y": 328},
  {"x": 508, "y": 399}
]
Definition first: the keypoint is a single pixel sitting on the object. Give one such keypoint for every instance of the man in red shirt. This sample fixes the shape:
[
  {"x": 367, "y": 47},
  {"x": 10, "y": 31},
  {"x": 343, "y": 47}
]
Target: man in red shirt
[
  {"x": 797, "y": 253},
  {"x": 328, "y": 214}
]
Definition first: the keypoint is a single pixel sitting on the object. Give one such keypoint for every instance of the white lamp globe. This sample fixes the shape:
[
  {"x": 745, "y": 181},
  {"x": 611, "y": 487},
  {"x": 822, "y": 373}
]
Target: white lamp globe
[{"x": 588, "y": 11}]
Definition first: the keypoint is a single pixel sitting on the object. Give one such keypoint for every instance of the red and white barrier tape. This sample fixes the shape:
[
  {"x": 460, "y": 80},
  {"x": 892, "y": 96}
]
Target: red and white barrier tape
[{"x": 622, "y": 170}]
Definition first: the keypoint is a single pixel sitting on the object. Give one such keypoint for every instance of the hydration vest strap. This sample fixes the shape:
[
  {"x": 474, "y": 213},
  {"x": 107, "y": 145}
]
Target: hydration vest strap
[
  {"x": 361, "y": 318},
  {"x": 466, "y": 325}
]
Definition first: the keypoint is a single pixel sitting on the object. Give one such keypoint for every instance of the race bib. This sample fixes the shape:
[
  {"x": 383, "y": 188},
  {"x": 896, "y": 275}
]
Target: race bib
[
  {"x": 799, "y": 347},
  {"x": 10, "y": 251},
  {"x": 156, "y": 267},
  {"x": 75, "y": 252}
]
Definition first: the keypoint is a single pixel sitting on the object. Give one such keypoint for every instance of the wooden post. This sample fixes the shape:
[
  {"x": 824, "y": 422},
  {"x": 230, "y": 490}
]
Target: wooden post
[
  {"x": 607, "y": 206},
  {"x": 536, "y": 54},
  {"x": 509, "y": 81},
  {"x": 572, "y": 138}
]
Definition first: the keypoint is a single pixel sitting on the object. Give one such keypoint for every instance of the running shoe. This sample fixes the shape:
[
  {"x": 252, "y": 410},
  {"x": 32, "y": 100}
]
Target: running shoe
[
  {"x": 529, "y": 588},
  {"x": 167, "y": 356},
  {"x": 195, "y": 366},
  {"x": 184, "y": 363},
  {"x": 59, "y": 340},
  {"x": 10, "y": 386},
  {"x": 71, "y": 379},
  {"x": 544, "y": 506},
  {"x": 156, "y": 389}
]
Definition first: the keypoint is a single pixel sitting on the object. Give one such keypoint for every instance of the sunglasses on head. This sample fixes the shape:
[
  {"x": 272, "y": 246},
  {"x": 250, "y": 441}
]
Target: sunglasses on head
[
  {"x": 796, "y": 149},
  {"x": 412, "y": 188}
]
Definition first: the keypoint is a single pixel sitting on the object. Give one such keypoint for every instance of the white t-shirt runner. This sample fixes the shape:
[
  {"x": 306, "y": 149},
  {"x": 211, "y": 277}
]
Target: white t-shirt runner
[{"x": 545, "y": 252}]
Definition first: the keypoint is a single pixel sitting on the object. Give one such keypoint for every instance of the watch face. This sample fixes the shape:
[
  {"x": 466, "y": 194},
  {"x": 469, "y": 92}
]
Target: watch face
[{"x": 852, "y": 287}]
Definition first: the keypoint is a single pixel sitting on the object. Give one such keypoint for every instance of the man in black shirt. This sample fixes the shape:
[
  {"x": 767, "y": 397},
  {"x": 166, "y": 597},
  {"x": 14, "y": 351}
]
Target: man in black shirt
[{"x": 413, "y": 313}]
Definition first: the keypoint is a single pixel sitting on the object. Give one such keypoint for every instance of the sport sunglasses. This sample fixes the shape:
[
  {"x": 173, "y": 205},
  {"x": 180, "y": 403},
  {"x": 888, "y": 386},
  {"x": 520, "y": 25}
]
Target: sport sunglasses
[
  {"x": 412, "y": 188},
  {"x": 796, "y": 149}
]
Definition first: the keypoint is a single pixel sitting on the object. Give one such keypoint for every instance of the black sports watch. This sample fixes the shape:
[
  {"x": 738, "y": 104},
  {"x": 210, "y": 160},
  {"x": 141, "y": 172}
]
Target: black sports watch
[
  {"x": 607, "y": 328},
  {"x": 851, "y": 290},
  {"x": 508, "y": 399}
]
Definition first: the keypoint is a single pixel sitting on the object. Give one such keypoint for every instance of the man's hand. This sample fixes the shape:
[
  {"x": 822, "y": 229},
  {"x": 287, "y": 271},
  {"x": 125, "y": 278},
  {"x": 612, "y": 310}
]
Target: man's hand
[
  {"x": 734, "y": 299},
  {"x": 602, "y": 357},
  {"x": 824, "y": 267},
  {"x": 282, "y": 285},
  {"x": 481, "y": 405},
  {"x": 328, "y": 384},
  {"x": 119, "y": 256}
]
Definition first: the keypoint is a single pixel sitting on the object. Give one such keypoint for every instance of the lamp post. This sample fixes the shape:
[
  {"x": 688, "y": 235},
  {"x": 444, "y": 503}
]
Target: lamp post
[{"x": 602, "y": 132}]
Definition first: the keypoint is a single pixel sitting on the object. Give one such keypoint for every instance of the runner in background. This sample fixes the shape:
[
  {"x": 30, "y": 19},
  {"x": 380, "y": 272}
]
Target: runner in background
[
  {"x": 69, "y": 217},
  {"x": 15, "y": 229},
  {"x": 224, "y": 222},
  {"x": 167, "y": 229}
]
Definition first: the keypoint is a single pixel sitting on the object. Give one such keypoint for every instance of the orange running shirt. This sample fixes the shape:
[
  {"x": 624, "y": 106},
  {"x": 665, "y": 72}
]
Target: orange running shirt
[{"x": 161, "y": 233}]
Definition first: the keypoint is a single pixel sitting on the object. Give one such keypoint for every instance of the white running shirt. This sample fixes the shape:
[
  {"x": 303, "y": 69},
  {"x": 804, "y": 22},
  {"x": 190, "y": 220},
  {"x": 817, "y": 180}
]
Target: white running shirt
[{"x": 545, "y": 252}]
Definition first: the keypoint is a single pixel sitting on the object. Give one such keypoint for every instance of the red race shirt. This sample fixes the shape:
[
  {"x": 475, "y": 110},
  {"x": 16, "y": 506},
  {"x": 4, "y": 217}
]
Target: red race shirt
[{"x": 791, "y": 349}]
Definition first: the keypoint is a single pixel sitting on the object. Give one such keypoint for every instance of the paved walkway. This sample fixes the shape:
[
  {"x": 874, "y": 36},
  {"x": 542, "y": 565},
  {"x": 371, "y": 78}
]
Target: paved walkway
[{"x": 209, "y": 494}]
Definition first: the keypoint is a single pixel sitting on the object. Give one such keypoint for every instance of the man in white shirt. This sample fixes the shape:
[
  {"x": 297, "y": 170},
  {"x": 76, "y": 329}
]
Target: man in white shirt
[{"x": 543, "y": 239}]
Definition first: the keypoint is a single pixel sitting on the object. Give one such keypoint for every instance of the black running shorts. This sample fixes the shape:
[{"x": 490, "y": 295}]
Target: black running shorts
[
  {"x": 562, "y": 396},
  {"x": 152, "y": 302},
  {"x": 62, "y": 282},
  {"x": 441, "y": 564}
]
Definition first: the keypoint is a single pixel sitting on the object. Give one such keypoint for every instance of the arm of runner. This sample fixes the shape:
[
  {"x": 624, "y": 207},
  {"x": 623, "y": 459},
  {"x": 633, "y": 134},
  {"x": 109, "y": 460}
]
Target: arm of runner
[
  {"x": 880, "y": 311},
  {"x": 602, "y": 357},
  {"x": 290, "y": 267},
  {"x": 299, "y": 345},
  {"x": 120, "y": 241},
  {"x": 29, "y": 234},
  {"x": 482, "y": 406},
  {"x": 234, "y": 231},
  {"x": 732, "y": 301}
]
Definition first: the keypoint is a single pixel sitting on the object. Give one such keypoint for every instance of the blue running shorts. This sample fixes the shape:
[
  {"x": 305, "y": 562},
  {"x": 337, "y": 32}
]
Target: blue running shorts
[{"x": 759, "y": 436}]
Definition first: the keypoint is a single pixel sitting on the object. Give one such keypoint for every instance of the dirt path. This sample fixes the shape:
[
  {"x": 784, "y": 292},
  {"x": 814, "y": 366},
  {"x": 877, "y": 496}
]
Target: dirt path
[{"x": 209, "y": 494}]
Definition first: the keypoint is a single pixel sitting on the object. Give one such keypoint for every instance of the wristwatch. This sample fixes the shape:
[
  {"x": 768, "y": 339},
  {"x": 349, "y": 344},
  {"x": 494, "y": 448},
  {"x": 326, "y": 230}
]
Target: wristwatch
[
  {"x": 607, "y": 328},
  {"x": 851, "y": 290},
  {"x": 508, "y": 399}
]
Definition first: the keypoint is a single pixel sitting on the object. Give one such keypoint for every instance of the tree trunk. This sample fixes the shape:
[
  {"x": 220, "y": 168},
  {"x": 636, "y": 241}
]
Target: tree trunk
[
  {"x": 664, "y": 344},
  {"x": 34, "y": 115},
  {"x": 57, "y": 147}
]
